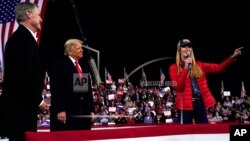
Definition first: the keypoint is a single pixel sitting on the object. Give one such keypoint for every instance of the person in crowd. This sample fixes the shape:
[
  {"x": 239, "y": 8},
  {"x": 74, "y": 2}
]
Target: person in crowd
[
  {"x": 72, "y": 104},
  {"x": 23, "y": 76},
  {"x": 193, "y": 96}
]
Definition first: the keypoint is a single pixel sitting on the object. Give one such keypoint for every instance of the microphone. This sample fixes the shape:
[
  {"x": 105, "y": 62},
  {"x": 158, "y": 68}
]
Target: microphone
[{"x": 188, "y": 53}]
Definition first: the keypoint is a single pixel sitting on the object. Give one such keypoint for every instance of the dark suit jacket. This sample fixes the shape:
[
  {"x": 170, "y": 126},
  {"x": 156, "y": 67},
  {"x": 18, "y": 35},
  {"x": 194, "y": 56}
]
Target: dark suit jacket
[
  {"x": 65, "y": 98},
  {"x": 23, "y": 83}
]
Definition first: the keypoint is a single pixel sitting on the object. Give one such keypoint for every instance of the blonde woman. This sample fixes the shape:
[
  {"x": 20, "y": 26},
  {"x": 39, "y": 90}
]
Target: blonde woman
[{"x": 193, "y": 96}]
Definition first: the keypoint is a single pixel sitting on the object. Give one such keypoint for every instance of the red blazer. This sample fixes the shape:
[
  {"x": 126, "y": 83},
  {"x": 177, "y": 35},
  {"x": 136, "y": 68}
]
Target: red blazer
[{"x": 183, "y": 84}]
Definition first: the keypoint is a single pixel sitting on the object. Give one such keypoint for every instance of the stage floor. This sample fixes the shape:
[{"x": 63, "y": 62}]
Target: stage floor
[{"x": 191, "y": 132}]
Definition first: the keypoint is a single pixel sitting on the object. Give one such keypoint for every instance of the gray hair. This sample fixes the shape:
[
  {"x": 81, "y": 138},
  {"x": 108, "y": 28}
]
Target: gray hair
[
  {"x": 22, "y": 8},
  {"x": 69, "y": 43}
]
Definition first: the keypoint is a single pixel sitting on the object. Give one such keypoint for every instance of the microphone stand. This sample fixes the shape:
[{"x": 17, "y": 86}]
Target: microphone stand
[
  {"x": 95, "y": 69},
  {"x": 78, "y": 21}
]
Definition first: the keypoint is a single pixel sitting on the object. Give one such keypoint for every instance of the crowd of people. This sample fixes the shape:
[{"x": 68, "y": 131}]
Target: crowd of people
[{"x": 123, "y": 103}]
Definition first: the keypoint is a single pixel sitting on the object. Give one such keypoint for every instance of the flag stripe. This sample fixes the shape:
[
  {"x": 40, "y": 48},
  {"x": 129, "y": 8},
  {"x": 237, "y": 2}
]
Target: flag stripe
[
  {"x": 2, "y": 27},
  {"x": 42, "y": 6},
  {"x": 11, "y": 27}
]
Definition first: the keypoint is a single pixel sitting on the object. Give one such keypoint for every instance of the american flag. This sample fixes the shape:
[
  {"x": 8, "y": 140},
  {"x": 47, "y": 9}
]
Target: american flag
[
  {"x": 8, "y": 23},
  {"x": 243, "y": 90},
  {"x": 108, "y": 77},
  {"x": 144, "y": 78},
  {"x": 162, "y": 77},
  {"x": 125, "y": 75},
  {"x": 222, "y": 90}
]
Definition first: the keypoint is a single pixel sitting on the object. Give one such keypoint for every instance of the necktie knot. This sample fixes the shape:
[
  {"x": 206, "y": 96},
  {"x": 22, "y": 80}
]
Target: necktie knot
[{"x": 76, "y": 62}]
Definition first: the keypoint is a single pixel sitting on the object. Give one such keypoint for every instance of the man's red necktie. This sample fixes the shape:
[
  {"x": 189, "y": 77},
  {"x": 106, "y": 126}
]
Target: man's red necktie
[{"x": 78, "y": 69}]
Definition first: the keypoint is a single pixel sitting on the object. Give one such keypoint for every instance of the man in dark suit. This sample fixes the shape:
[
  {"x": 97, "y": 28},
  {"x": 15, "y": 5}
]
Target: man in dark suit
[
  {"x": 72, "y": 106},
  {"x": 23, "y": 76}
]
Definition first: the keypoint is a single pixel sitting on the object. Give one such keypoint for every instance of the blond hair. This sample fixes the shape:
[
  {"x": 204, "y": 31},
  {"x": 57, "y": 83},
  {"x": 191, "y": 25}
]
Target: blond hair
[
  {"x": 196, "y": 70},
  {"x": 69, "y": 44}
]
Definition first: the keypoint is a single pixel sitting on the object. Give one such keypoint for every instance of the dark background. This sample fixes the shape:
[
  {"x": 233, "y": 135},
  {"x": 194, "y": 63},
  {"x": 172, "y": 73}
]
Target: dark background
[{"x": 129, "y": 33}]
